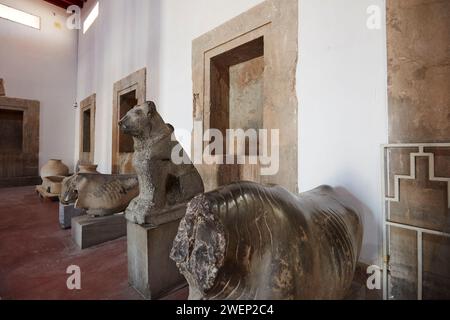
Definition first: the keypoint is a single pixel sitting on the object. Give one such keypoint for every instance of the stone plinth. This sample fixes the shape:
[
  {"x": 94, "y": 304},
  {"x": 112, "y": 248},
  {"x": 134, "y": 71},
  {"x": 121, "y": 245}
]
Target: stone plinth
[
  {"x": 66, "y": 213},
  {"x": 150, "y": 270},
  {"x": 89, "y": 231}
]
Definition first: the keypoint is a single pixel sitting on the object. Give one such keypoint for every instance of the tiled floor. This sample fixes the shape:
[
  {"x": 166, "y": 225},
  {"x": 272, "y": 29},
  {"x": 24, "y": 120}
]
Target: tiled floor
[{"x": 35, "y": 253}]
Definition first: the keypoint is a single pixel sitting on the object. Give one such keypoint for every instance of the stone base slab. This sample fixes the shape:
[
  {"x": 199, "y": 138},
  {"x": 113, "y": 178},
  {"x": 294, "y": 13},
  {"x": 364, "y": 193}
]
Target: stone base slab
[
  {"x": 66, "y": 213},
  {"x": 89, "y": 231}
]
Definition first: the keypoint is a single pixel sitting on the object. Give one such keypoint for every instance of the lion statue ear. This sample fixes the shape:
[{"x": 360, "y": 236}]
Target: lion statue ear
[
  {"x": 151, "y": 108},
  {"x": 171, "y": 128}
]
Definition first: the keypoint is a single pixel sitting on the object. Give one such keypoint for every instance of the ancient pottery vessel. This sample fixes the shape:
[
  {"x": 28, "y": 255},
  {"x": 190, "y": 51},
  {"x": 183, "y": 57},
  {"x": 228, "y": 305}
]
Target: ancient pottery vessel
[
  {"x": 53, "y": 184},
  {"x": 250, "y": 241},
  {"x": 54, "y": 168},
  {"x": 88, "y": 168}
]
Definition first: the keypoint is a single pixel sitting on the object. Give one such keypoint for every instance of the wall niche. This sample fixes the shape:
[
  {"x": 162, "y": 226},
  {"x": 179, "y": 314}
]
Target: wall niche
[
  {"x": 128, "y": 93},
  {"x": 11, "y": 130},
  {"x": 237, "y": 85},
  {"x": 87, "y": 129},
  {"x": 244, "y": 77},
  {"x": 19, "y": 143}
]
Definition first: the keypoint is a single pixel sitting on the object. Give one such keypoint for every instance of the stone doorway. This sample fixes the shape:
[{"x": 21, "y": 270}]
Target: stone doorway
[
  {"x": 19, "y": 146},
  {"x": 244, "y": 78},
  {"x": 128, "y": 93},
  {"x": 87, "y": 129}
]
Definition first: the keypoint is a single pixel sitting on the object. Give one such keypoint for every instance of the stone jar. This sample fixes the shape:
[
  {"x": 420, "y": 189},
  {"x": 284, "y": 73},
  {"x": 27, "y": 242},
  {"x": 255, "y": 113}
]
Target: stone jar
[
  {"x": 88, "y": 168},
  {"x": 53, "y": 168}
]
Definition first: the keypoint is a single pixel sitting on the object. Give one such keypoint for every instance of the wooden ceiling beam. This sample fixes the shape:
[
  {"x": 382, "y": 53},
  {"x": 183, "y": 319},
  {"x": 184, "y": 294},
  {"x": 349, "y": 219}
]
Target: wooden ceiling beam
[{"x": 66, "y": 3}]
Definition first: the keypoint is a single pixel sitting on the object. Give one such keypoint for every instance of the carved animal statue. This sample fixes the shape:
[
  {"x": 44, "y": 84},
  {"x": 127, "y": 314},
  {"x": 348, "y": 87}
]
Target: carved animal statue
[
  {"x": 162, "y": 183},
  {"x": 249, "y": 241},
  {"x": 99, "y": 194}
]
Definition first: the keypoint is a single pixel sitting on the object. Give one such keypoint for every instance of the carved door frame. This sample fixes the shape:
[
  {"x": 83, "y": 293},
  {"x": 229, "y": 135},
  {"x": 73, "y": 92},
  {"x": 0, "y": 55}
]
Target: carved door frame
[
  {"x": 268, "y": 20},
  {"x": 136, "y": 81},
  {"x": 87, "y": 104}
]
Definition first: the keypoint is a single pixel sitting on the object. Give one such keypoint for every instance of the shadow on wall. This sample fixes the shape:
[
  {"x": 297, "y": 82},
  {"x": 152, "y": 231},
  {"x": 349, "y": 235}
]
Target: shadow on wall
[{"x": 370, "y": 248}]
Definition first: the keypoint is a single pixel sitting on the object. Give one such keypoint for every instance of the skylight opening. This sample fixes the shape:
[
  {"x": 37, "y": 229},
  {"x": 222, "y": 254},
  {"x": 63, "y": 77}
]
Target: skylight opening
[
  {"x": 92, "y": 16},
  {"x": 19, "y": 16}
]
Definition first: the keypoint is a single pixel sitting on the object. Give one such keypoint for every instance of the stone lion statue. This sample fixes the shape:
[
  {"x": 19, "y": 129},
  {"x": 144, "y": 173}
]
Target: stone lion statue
[{"x": 162, "y": 183}]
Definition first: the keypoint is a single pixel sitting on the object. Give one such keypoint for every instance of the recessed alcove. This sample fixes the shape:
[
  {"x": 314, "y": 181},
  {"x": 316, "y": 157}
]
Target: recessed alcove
[
  {"x": 19, "y": 143},
  {"x": 87, "y": 129},
  {"x": 237, "y": 84},
  {"x": 244, "y": 77},
  {"x": 128, "y": 93},
  {"x": 11, "y": 130},
  {"x": 127, "y": 102}
]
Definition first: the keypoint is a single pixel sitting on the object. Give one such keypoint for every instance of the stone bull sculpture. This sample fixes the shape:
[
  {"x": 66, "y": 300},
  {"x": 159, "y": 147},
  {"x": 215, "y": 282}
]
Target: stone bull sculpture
[
  {"x": 249, "y": 241},
  {"x": 100, "y": 194}
]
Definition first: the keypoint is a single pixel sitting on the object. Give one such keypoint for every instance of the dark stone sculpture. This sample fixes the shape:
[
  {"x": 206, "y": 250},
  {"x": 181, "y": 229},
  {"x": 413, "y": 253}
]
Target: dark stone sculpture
[
  {"x": 249, "y": 241},
  {"x": 162, "y": 183}
]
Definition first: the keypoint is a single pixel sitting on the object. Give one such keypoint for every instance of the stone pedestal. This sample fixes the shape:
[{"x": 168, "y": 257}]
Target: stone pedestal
[
  {"x": 66, "y": 213},
  {"x": 89, "y": 231},
  {"x": 150, "y": 270}
]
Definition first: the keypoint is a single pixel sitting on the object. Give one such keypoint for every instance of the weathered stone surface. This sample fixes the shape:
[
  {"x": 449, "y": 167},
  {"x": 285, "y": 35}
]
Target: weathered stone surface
[
  {"x": 99, "y": 194},
  {"x": 150, "y": 270},
  {"x": 418, "y": 33},
  {"x": 418, "y": 70},
  {"x": 66, "y": 213},
  {"x": 90, "y": 231},
  {"x": 162, "y": 183},
  {"x": 249, "y": 241}
]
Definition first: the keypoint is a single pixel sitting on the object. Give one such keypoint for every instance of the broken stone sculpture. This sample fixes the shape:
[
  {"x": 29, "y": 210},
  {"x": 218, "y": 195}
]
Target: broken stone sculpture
[
  {"x": 249, "y": 241},
  {"x": 163, "y": 184},
  {"x": 99, "y": 194}
]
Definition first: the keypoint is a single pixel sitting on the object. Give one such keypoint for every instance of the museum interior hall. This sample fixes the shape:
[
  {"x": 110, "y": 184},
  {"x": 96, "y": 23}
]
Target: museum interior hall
[{"x": 224, "y": 150}]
